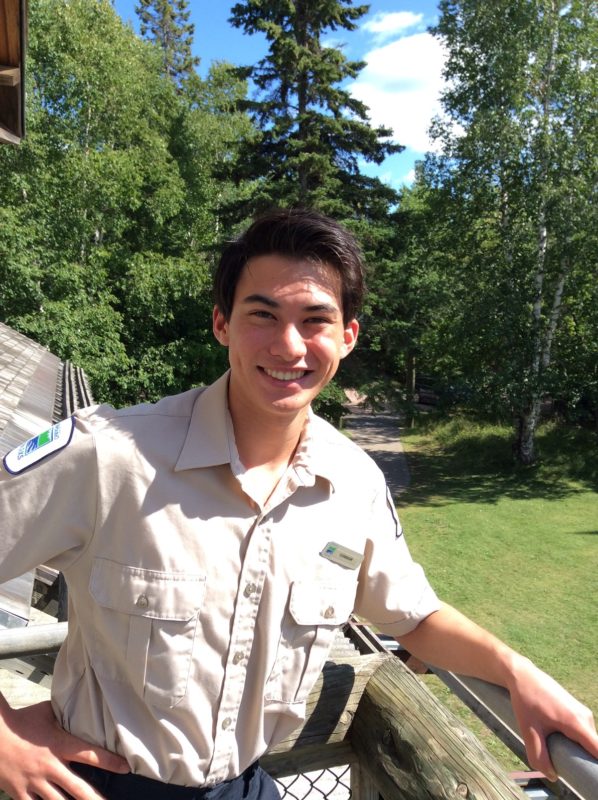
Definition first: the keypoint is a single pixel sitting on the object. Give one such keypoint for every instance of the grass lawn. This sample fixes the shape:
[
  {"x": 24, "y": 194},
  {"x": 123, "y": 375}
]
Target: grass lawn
[{"x": 514, "y": 548}]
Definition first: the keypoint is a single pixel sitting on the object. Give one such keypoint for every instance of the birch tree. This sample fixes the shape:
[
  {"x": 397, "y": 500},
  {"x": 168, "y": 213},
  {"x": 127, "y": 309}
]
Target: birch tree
[{"x": 519, "y": 156}]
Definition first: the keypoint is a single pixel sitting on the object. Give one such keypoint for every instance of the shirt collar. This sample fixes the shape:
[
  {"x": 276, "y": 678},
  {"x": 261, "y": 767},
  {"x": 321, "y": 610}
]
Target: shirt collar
[{"x": 207, "y": 443}]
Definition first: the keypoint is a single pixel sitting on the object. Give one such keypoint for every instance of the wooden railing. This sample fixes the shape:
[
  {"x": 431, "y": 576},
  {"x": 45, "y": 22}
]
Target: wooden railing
[{"x": 372, "y": 712}]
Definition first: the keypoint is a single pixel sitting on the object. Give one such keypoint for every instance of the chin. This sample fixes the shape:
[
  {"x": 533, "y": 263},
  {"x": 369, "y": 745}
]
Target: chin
[{"x": 292, "y": 404}]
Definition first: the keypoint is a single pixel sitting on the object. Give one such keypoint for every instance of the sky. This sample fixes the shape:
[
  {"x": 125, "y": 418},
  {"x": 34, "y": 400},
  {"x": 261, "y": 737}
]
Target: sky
[{"x": 400, "y": 83}]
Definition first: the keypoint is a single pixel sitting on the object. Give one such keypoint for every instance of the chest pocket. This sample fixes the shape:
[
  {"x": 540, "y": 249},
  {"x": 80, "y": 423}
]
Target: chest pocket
[
  {"x": 144, "y": 628},
  {"x": 314, "y": 612}
]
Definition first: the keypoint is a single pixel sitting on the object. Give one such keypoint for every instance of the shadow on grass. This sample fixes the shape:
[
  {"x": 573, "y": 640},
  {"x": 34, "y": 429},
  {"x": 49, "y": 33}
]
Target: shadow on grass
[{"x": 476, "y": 464}]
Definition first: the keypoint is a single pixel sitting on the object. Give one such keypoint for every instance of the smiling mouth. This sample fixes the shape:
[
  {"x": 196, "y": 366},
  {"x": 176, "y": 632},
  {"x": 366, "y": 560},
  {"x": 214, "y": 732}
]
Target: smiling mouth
[{"x": 286, "y": 375}]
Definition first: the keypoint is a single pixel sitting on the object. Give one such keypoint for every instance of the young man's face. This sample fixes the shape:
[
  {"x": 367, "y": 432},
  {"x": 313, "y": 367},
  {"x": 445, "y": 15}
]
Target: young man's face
[{"x": 285, "y": 336}]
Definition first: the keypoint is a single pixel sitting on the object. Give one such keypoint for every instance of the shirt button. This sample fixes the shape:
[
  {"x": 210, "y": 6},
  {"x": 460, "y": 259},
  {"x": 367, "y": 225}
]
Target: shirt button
[
  {"x": 250, "y": 589},
  {"x": 329, "y": 613},
  {"x": 238, "y": 657},
  {"x": 142, "y": 601},
  {"x": 226, "y": 723}
]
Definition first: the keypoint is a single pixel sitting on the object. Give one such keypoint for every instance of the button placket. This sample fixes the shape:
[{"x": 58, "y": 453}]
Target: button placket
[{"x": 253, "y": 575}]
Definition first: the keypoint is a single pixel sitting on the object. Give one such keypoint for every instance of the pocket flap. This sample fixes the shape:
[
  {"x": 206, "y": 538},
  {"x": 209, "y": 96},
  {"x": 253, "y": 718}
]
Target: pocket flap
[
  {"x": 320, "y": 604},
  {"x": 146, "y": 592}
]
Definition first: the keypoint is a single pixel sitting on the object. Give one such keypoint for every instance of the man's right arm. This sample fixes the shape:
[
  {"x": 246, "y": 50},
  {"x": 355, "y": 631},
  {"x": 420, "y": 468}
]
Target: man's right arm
[{"x": 36, "y": 752}]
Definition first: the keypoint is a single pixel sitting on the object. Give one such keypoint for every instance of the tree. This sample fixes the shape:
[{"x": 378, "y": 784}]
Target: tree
[
  {"x": 106, "y": 228},
  {"x": 312, "y": 132},
  {"x": 166, "y": 23},
  {"x": 407, "y": 293},
  {"x": 519, "y": 143}
]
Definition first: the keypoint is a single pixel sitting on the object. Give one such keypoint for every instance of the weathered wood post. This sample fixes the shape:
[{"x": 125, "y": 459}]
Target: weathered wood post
[{"x": 415, "y": 749}]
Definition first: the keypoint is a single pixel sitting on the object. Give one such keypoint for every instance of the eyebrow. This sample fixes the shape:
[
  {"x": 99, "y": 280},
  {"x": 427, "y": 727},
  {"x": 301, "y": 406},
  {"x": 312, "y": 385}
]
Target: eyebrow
[{"x": 267, "y": 301}]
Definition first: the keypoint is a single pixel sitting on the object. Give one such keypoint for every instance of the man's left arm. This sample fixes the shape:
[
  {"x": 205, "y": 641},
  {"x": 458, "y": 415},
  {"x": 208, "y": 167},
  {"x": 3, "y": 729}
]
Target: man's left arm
[{"x": 449, "y": 640}]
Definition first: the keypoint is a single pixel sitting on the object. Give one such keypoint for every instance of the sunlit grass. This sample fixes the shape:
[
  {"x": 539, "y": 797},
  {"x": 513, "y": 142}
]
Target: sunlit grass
[{"x": 514, "y": 548}]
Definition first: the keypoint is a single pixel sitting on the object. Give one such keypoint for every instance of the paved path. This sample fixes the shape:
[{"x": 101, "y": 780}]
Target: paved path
[{"x": 378, "y": 435}]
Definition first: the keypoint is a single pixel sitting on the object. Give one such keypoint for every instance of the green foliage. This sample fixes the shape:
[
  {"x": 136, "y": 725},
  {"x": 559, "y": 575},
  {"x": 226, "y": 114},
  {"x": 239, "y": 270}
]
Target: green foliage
[
  {"x": 405, "y": 290},
  {"x": 19, "y": 273},
  {"x": 331, "y": 404},
  {"x": 87, "y": 334},
  {"x": 131, "y": 175},
  {"x": 166, "y": 307}
]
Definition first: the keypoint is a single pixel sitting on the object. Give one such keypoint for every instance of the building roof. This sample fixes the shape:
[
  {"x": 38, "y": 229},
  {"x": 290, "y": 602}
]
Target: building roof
[
  {"x": 36, "y": 390},
  {"x": 29, "y": 377}
]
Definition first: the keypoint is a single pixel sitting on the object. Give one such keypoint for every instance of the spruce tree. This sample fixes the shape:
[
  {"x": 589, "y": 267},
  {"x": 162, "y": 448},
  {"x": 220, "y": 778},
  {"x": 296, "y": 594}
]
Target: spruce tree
[
  {"x": 313, "y": 134},
  {"x": 166, "y": 22}
]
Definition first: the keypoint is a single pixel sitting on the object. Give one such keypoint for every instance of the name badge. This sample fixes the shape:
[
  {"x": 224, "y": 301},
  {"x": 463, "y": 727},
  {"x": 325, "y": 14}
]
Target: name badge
[{"x": 339, "y": 554}]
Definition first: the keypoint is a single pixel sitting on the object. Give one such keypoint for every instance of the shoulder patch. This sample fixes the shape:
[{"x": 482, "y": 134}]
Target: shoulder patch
[{"x": 39, "y": 447}]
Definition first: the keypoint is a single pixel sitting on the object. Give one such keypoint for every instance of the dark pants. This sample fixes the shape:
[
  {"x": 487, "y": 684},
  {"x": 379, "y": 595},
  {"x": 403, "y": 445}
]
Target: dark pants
[{"x": 253, "y": 784}]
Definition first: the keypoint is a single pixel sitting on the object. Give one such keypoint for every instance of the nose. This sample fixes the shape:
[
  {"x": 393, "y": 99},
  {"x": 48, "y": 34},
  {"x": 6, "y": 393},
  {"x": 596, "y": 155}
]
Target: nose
[{"x": 288, "y": 343}]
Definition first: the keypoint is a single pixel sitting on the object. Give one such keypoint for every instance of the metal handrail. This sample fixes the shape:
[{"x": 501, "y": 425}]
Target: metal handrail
[{"x": 32, "y": 641}]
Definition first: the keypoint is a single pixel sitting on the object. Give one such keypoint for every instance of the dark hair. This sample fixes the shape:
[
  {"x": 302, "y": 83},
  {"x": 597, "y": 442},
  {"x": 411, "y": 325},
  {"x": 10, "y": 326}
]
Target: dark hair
[{"x": 297, "y": 234}]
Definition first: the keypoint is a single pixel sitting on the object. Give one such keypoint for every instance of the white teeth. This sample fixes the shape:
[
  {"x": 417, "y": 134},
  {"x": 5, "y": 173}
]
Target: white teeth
[{"x": 290, "y": 375}]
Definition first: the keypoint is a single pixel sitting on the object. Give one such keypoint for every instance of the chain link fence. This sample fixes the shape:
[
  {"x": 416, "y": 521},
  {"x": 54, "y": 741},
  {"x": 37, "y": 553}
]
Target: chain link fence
[{"x": 323, "y": 784}]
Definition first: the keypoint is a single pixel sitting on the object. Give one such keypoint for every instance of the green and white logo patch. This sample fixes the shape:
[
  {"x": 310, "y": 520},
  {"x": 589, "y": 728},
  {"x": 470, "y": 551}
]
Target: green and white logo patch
[{"x": 39, "y": 447}]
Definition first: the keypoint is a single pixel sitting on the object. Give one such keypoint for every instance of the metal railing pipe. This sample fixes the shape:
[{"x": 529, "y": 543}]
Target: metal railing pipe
[{"x": 32, "y": 641}]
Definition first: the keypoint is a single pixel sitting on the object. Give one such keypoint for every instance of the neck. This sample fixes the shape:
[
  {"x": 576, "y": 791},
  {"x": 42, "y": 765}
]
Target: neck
[
  {"x": 268, "y": 444},
  {"x": 266, "y": 439},
  {"x": 265, "y": 450}
]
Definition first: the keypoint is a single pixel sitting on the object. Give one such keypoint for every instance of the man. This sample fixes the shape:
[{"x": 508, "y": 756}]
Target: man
[{"x": 214, "y": 541}]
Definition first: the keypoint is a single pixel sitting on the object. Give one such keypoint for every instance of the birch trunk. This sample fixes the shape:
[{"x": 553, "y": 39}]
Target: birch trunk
[{"x": 542, "y": 334}]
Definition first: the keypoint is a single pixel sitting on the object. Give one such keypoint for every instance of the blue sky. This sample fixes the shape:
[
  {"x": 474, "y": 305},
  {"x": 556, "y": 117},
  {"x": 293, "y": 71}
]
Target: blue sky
[{"x": 400, "y": 83}]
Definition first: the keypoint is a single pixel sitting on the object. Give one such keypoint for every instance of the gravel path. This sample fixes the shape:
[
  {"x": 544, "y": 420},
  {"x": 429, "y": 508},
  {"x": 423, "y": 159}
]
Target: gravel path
[{"x": 378, "y": 435}]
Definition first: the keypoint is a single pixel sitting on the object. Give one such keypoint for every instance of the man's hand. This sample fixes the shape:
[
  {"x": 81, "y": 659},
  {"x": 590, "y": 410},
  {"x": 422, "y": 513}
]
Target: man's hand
[
  {"x": 542, "y": 706},
  {"x": 451, "y": 641},
  {"x": 36, "y": 752}
]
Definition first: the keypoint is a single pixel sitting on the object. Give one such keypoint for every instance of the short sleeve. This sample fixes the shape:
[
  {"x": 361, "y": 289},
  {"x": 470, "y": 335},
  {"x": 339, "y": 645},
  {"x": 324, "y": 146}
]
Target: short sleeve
[
  {"x": 394, "y": 594},
  {"x": 47, "y": 510}
]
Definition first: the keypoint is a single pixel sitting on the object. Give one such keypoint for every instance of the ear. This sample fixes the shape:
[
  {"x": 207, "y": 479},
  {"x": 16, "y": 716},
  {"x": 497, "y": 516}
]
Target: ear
[
  {"x": 349, "y": 337},
  {"x": 220, "y": 326}
]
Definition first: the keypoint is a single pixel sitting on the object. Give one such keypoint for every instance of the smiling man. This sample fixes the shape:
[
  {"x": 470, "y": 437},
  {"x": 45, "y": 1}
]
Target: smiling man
[{"x": 212, "y": 544}]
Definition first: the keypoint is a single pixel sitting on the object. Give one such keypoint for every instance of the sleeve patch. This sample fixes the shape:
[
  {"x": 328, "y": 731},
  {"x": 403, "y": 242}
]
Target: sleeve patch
[{"x": 39, "y": 447}]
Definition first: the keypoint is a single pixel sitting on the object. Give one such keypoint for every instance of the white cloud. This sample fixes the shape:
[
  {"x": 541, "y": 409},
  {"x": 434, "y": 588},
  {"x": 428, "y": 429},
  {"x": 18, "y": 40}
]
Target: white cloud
[
  {"x": 401, "y": 84},
  {"x": 384, "y": 25}
]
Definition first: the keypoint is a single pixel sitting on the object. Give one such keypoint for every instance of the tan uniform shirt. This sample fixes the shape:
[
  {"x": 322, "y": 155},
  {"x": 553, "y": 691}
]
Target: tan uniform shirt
[{"x": 199, "y": 621}]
